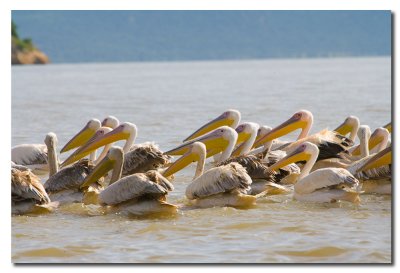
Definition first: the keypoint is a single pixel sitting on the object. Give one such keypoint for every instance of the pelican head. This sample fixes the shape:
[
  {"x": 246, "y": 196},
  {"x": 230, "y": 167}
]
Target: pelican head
[
  {"x": 246, "y": 130},
  {"x": 51, "y": 140},
  {"x": 103, "y": 137},
  {"x": 110, "y": 121},
  {"x": 382, "y": 158},
  {"x": 247, "y": 133},
  {"x": 350, "y": 124},
  {"x": 229, "y": 118},
  {"x": 302, "y": 153},
  {"x": 261, "y": 132},
  {"x": 379, "y": 137},
  {"x": 114, "y": 157},
  {"x": 300, "y": 120},
  {"x": 216, "y": 141},
  {"x": 82, "y": 136},
  {"x": 195, "y": 152}
]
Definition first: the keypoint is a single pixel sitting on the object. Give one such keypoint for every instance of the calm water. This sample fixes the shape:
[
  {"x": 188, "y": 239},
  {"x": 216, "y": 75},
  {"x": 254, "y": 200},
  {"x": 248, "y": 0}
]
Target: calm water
[{"x": 167, "y": 101}]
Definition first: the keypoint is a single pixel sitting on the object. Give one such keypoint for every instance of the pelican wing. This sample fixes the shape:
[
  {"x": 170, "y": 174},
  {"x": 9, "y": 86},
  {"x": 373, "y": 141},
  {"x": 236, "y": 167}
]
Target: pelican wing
[
  {"x": 144, "y": 157},
  {"x": 227, "y": 178},
  {"x": 150, "y": 185},
  {"x": 381, "y": 173},
  {"x": 29, "y": 154},
  {"x": 330, "y": 144},
  {"x": 324, "y": 178},
  {"x": 25, "y": 185},
  {"x": 19, "y": 167},
  {"x": 70, "y": 177},
  {"x": 253, "y": 165}
]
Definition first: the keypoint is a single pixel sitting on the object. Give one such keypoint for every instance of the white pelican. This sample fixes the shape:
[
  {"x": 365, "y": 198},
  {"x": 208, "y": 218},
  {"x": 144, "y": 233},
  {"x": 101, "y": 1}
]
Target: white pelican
[
  {"x": 64, "y": 185},
  {"x": 377, "y": 142},
  {"x": 138, "y": 157},
  {"x": 364, "y": 134},
  {"x": 323, "y": 185},
  {"x": 350, "y": 125},
  {"x": 230, "y": 118},
  {"x": 330, "y": 144},
  {"x": 222, "y": 140},
  {"x": 136, "y": 194},
  {"x": 28, "y": 194},
  {"x": 88, "y": 132},
  {"x": 227, "y": 185},
  {"x": 35, "y": 156},
  {"x": 377, "y": 173},
  {"x": 82, "y": 136}
]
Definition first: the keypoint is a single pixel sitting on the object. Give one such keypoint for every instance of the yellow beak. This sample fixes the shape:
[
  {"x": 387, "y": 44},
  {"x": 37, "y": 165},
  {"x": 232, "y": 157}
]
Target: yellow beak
[
  {"x": 281, "y": 130},
  {"x": 212, "y": 125},
  {"x": 242, "y": 137},
  {"x": 211, "y": 140},
  {"x": 294, "y": 157},
  {"x": 181, "y": 163},
  {"x": 374, "y": 140},
  {"x": 382, "y": 158},
  {"x": 94, "y": 144},
  {"x": 344, "y": 128},
  {"x": 388, "y": 127},
  {"x": 99, "y": 171},
  {"x": 79, "y": 139}
]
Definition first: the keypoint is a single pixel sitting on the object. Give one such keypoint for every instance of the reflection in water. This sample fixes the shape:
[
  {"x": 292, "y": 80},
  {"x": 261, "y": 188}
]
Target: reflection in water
[{"x": 167, "y": 101}]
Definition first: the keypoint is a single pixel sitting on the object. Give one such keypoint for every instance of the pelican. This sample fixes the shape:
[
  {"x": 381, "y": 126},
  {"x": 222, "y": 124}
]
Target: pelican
[
  {"x": 377, "y": 143},
  {"x": 230, "y": 118},
  {"x": 257, "y": 165},
  {"x": 351, "y": 164},
  {"x": 82, "y": 136},
  {"x": 138, "y": 157},
  {"x": 323, "y": 185},
  {"x": 350, "y": 125},
  {"x": 87, "y": 132},
  {"x": 35, "y": 156},
  {"x": 227, "y": 185},
  {"x": 222, "y": 140},
  {"x": 28, "y": 194},
  {"x": 330, "y": 144},
  {"x": 377, "y": 171},
  {"x": 136, "y": 194},
  {"x": 63, "y": 185}
]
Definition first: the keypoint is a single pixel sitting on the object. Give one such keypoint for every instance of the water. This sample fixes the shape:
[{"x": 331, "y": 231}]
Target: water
[{"x": 167, "y": 101}]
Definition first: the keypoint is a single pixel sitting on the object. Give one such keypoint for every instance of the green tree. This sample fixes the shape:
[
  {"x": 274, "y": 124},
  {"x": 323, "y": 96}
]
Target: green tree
[{"x": 14, "y": 30}]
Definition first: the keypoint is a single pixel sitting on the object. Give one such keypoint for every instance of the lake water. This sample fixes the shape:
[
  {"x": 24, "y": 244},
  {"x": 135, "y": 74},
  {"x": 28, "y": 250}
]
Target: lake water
[{"x": 168, "y": 101}]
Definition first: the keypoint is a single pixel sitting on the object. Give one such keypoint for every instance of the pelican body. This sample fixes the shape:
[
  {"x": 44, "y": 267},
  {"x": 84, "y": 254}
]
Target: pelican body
[
  {"x": 137, "y": 194},
  {"x": 28, "y": 194},
  {"x": 322, "y": 185},
  {"x": 227, "y": 185},
  {"x": 330, "y": 144}
]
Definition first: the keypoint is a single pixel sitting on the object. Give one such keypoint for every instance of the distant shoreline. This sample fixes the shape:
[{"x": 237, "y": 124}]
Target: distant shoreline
[{"x": 223, "y": 60}]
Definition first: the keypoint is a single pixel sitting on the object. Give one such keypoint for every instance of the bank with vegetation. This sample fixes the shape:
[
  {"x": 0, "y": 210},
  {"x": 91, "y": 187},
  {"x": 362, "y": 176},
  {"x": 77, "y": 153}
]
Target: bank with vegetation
[{"x": 23, "y": 51}]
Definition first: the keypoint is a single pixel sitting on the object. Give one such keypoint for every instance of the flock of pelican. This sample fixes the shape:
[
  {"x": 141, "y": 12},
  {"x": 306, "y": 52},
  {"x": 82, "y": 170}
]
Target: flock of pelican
[{"x": 250, "y": 162}]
